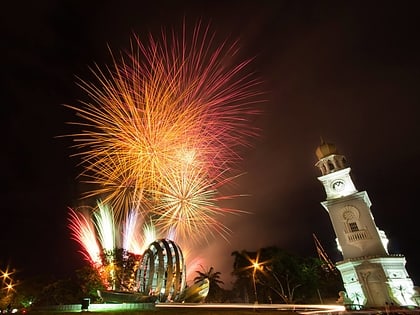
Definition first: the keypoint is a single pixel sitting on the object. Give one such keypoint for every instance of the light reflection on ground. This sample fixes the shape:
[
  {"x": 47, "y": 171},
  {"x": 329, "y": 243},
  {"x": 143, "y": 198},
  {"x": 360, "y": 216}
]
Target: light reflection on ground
[{"x": 298, "y": 308}]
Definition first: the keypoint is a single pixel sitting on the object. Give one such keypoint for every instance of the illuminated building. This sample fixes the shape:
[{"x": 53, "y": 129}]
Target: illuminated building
[{"x": 371, "y": 276}]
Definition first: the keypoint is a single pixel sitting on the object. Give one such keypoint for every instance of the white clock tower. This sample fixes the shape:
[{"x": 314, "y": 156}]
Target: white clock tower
[{"x": 371, "y": 276}]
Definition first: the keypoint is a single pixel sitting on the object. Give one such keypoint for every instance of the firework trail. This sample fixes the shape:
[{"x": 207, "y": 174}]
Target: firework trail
[
  {"x": 149, "y": 235},
  {"x": 131, "y": 240},
  {"x": 193, "y": 262},
  {"x": 106, "y": 228},
  {"x": 83, "y": 231}
]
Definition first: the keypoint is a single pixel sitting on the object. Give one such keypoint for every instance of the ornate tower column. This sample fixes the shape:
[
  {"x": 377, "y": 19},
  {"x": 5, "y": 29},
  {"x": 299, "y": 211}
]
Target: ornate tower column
[{"x": 371, "y": 276}]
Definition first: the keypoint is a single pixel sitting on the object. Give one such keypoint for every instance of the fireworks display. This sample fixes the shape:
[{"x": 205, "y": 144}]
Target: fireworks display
[
  {"x": 160, "y": 136},
  {"x": 83, "y": 231}
]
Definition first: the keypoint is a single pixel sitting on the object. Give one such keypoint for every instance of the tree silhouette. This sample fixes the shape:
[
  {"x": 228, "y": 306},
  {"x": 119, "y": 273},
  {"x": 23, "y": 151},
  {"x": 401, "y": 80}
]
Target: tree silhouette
[
  {"x": 215, "y": 291},
  {"x": 90, "y": 282},
  {"x": 278, "y": 276},
  {"x": 120, "y": 268}
]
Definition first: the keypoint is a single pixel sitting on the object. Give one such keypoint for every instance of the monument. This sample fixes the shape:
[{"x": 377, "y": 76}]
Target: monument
[{"x": 371, "y": 276}]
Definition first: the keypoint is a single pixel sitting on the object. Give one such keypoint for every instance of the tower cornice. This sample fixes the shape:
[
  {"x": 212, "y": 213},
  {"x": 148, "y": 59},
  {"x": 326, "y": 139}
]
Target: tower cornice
[
  {"x": 338, "y": 184},
  {"x": 361, "y": 195}
]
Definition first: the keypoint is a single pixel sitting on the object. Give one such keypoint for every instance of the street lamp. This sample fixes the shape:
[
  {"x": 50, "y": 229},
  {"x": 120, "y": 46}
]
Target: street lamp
[
  {"x": 5, "y": 274},
  {"x": 9, "y": 287},
  {"x": 256, "y": 265}
]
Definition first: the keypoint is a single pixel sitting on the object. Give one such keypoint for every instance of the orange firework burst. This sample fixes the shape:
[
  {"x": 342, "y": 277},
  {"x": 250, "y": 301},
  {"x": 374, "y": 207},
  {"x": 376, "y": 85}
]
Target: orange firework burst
[
  {"x": 176, "y": 103},
  {"x": 187, "y": 203}
]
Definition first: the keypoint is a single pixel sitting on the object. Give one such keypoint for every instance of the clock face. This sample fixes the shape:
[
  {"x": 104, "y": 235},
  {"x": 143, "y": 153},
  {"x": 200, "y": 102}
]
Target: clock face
[{"x": 338, "y": 185}]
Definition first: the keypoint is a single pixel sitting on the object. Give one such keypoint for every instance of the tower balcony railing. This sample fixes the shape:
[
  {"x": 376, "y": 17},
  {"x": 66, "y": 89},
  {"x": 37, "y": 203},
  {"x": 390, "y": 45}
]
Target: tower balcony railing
[
  {"x": 357, "y": 236},
  {"x": 370, "y": 257}
]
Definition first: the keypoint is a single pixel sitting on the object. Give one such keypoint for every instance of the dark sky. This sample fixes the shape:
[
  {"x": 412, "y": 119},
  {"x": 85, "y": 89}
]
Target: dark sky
[{"x": 348, "y": 71}]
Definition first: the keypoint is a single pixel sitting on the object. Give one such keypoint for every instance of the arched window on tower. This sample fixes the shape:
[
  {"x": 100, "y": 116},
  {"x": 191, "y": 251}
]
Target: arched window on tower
[
  {"x": 330, "y": 166},
  {"x": 351, "y": 217},
  {"x": 353, "y": 226},
  {"x": 323, "y": 169}
]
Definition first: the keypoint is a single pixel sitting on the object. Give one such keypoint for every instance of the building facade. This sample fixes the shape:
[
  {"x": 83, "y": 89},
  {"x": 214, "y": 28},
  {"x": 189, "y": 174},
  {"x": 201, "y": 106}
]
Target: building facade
[{"x": 371, "y": 276}]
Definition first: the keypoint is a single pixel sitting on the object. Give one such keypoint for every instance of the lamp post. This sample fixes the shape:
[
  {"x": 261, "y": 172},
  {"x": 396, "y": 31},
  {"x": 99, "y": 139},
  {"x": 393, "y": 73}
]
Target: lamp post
[{"x": 256, "y": 266}]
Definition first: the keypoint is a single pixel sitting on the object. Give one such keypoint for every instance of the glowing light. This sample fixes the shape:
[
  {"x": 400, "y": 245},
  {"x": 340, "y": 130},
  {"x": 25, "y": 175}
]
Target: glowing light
[
  {"x": 10, "y": 287},
  {"x": 83, "y": 231},
  {"x": 132, "y": 241},
  {"x": 149, "y": 235},
  {"x": 256, "y": 263},
  {"x": 298, "y": 308},
  {"x": 6, "y": 274},
  {"x": 8, "y": 282},
  {"x": 193, "y": 261},
  {"x": 105, "y": 226}
]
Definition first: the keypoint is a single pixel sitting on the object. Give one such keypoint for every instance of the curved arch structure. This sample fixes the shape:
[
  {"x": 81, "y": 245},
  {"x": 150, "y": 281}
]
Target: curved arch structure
[{"x": 162, "y": 271}]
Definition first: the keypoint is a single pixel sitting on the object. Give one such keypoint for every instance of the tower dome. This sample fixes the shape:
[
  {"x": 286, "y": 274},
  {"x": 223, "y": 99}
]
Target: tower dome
[
  {"x": 329, "y": 160},
  {"x": 325, "y": 149}
]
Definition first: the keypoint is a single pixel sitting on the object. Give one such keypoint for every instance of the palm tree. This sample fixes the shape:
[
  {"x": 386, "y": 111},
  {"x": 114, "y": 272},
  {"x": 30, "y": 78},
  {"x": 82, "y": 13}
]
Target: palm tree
[{"x": 215, "y": 291}]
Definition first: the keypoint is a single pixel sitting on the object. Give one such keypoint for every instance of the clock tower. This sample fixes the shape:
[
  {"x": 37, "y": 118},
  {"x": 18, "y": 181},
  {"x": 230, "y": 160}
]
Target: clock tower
[{"x": 371, "y": 276}]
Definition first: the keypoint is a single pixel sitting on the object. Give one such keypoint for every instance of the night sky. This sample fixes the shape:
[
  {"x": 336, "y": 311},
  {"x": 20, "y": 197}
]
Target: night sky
[{"x": 347, "y": 71}]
